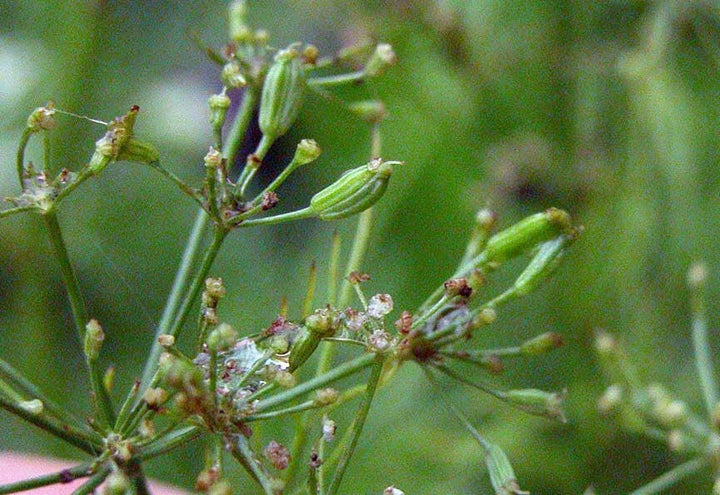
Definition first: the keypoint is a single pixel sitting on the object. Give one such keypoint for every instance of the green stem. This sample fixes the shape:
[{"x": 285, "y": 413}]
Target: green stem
[
  {"x": 252, "y": 166},
  {"x": 337, "y": 80},
  {"x": 20, "y": 158},
  {"x": 363, "y": 410},
  {"x": 703, "y": 354},
  {"x": 80, "y": 317},
  {"x": 241, "y": 123},
  {"x": 64, "y": 476},
  {"x": 281, "y": 412},
  {"x": 198, "y": 281},
  {"x": 169, "y": 442},
  {"x": 20, "y": 383},
  {"x": 95, "y": 481},
  {"x": 174, "y": 300},
  {"x": 17, "y": 209},
  {"x": 242, "y": 452},
  {"x": 283, "y": 217},
  {"x": 333, "y": 375},
  {"x": 673, "y": 476},
  {"x": 178, "y": 182},
  {"x": 47, "y": 168},
  {"x": 70, "y": 434},
  {"x": 450, "y": 404}
]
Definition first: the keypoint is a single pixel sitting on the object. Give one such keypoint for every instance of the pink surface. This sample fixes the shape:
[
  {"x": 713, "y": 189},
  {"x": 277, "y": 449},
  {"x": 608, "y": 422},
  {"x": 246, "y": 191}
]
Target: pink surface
[{"x": 17, "y": 467}]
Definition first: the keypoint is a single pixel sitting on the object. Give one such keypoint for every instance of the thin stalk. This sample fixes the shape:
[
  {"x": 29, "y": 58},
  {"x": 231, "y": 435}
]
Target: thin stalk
[
  {"x": 169, "y": 442},
  {"x": 63, "y": 476},
  {"x": 174, "y": 300},
  {"x": 20, "y": 157},
  {"x": 95, "y": 481},
  {"x": 310, "y": 294},
  {"x": 212, "y": 379},
  {"x": 668, "y": 479},
  {"x": 240, "y": 124},
  {"x": 701, "y": 346},
  {"x": 360, "y": 418},
  {"x": 333, "y": 269},
  {"x": 47, "y": 166},
  {"x": 26, "y": 387},
  {"x": 178, "y": 182},
  {"x": 198, "y": 281},
  {"x": 242, "y": 452},
  {"x": 425, "y": 316},
  {"x": 254, "y": 164},
  {"x": 126, "y": 406},
  {"x": 283, "y": 217},
  {"x": 337, "y": 80},
  {"x": 281, "y": 412},
  {"x": 17, "y": 209},
  {"x": 80, "y": 317},
  {"x": 70, "y": 434},
  {"x": 331, "y": 376}
]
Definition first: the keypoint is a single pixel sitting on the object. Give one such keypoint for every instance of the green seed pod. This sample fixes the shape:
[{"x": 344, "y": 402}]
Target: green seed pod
[
  {"x": 543, "y": 264},
  {"x": 527, "y": 233},
  {"x": 138, "y": 151},
  {"x": 282, "y": 94},
  {"x": 302, "y": 348},
  {"x": 541, "y": 344},
  {"x": 538, "y": 402},
  {"x": 354, "y": 192},
  {"x": 501, "y": 472}
]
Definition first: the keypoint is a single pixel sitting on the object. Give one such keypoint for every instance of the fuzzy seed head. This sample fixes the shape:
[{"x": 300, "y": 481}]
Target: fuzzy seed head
[{"x": 277, "y": 454}]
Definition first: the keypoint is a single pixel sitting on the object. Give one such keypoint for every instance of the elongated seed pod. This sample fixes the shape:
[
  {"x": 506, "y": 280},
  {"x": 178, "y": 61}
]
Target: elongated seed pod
[
  {"x": 282, "y": 94},
  {"x": 354, "y": 192},
  {"x": 302, "y": 348}
]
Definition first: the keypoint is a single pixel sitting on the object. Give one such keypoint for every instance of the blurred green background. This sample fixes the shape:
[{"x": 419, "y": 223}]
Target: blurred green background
[{"x": 607, "y": 109}]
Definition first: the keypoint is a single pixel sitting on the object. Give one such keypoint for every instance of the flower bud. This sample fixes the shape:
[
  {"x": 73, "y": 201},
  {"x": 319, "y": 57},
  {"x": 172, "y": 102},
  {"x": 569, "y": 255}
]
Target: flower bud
[
  {"x": 371, "y": 111},
  {"x": 307, "y": 151},
  {"x": 527, "y": 233},
  {"x": 541, "y": 344},
  {"x": 42, "y": 118},
  {"x": 117, "y": 484},
  {"x": 382, "y": 58},
  {"x": 501, "y": 472},
  {"x": 355, "y": 191},
  {"x": 323, "y": 322},
  {"x": 218, "y": 105},
  {"x": 237, "y": 20},
  {"x": 94, "y": 337},
  {"x": 282, "y": 94},
  {"x": 232, "y": 76},
  {"x": 325, "y": 397},
  {"x": 538, "y": 402},
  {"x": 222, "y": 338}
]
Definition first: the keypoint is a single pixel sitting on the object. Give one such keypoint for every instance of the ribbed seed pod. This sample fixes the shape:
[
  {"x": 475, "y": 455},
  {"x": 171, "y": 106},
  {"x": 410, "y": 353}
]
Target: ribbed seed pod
[
  {"x": 355, "y": 191},
  {"x": 282, "y": 94}
]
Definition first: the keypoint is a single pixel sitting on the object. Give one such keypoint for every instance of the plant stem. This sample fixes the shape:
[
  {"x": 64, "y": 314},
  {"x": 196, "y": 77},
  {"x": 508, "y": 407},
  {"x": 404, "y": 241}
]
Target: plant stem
[
  {"x": 17, "y": 209},
  {"x": 95, "y": 481},
  {"x": 281, "y": 412},
  {"x": 345, "y": 369},
  {"x": 169, "y": 442},
  {"x": 282, "y": 217},
  {"x": 72, "y": 435},
  {"x": 337, "y": 80},
  {"x": 175, "y": 298},
  {"x": 20, "y": 157},
  {"x": 80, "y": 317},
  {"x": 673, "y": 476},
  {"x": 701, "y": 346},
  {"x": 63, "y": 476},
  {"x": 30, "y": 390},
  {"x": 358, "y": 424},
  {"x": 242, "y": 452}
]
